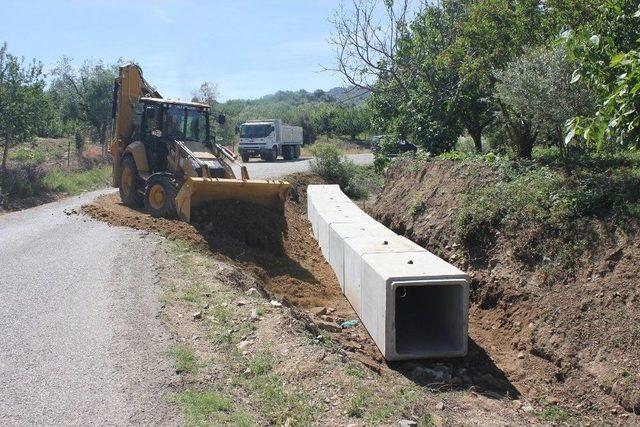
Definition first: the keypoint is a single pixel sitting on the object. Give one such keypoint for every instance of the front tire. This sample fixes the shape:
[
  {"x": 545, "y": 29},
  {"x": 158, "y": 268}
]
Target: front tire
[
  {"x": 272, "y": 155},
  {"x": 160, "y": 196},
  {"x": 245, "y": 157},
  {"x": 129, "y": 188},
  {"x": 296, "y": 152}
]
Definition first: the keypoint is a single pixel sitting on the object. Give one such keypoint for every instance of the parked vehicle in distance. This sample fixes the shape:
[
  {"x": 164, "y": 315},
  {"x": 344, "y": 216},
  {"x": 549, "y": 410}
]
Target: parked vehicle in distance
[
  {"x": 269, "y": 139},
  {"x": 403, "y": 146}
]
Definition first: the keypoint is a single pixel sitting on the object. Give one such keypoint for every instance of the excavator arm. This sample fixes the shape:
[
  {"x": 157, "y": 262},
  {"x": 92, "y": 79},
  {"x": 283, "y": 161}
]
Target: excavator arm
[{"x": 128, "y": 88}]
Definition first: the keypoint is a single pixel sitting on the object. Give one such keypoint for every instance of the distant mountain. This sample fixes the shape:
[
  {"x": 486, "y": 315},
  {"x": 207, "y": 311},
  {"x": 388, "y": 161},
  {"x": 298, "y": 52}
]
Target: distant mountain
[
  {"x": 352, "y": 95},
  {"x": 344, "y": 95}
]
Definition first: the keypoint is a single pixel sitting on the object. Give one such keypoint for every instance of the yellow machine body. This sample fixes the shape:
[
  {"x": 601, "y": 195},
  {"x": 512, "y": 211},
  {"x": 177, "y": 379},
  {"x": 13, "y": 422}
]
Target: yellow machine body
[
  {"x": 188, "y": 161},
  {"x": 196, "y": 192}
]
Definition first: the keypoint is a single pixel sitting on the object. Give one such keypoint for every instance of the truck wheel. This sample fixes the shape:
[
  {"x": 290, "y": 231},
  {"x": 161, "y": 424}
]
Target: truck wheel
[
  {"x": 129, "y": 183},
  {"x": 272, "y": 155},
  {"x": 287, "y": 152},
  {"x": 245, "y": 157},
  {"x": 160, "y": 196},
  {"x": 296, "y": 151}
]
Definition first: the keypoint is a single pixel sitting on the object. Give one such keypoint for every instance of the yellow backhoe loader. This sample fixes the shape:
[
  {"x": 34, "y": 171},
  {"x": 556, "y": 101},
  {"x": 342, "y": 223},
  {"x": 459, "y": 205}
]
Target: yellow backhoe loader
[{"x": 165, "y": 158}]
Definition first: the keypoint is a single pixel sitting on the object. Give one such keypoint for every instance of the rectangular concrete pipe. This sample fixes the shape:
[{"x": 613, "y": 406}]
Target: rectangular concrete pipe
[
  {"x": 333, "y": 214},
  {"x": 354, "y": 248},
  {"x": 340, "y": 232},
  {"x": 415, "y": 305},
  {"x": 322, "y": 193}
]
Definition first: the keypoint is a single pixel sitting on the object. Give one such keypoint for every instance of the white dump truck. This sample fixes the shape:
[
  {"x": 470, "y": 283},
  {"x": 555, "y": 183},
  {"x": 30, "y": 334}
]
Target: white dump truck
[{"x": 269, "y": 139}]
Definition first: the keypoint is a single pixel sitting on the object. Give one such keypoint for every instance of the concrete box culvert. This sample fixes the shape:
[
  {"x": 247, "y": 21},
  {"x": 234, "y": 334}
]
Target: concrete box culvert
[
  {"x": 415, "y": 305},
  {"x": 353, "y": 249},
  {"x": 325, "y": 194},
  {"x": 335, "y": 214},
  {"x": 340, "y": 232}
]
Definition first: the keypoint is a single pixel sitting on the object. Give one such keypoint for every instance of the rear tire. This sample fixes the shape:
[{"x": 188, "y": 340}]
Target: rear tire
[
  {"x": 160, "y": 196},
  {"x": 287, "y": 152},
  {"x": 296, "y": 151},
  {"x": 129, "y": 188},
  {"x": 245, "y": 157}
]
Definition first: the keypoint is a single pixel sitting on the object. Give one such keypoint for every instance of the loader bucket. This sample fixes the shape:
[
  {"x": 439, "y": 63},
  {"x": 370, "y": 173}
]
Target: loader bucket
[{"x": 198, "y": 191}]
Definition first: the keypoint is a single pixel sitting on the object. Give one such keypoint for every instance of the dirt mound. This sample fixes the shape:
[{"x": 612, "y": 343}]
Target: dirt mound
[
  {"x": 279, "y": 249},
  {"x": 575, "y": 339},
  {"x": 253, "y": 225}
]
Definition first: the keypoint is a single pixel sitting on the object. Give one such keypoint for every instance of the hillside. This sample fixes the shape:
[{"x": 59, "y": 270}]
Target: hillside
[{"x": 554, "y": 292}]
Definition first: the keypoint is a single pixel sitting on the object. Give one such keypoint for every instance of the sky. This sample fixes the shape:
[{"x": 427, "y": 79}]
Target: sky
[{"x": 249, "y": 48}]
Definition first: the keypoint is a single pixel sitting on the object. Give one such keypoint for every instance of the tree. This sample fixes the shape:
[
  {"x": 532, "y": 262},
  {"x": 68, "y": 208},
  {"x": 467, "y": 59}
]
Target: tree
[
  {"x": 366, "y": 46},
  {"x": 324, "y": 119},
  {"x": 398, "y": 61},
  {"x": 86, "y": 94},
  {"x": 608, "y": 58},
  {"x": 23, "y": 104},
  {"x": 534, "y": 90},
  {"x": 352, "y": 121},
  {"x": 491, "y": 33},
  {"x": 207, "y": 93}
]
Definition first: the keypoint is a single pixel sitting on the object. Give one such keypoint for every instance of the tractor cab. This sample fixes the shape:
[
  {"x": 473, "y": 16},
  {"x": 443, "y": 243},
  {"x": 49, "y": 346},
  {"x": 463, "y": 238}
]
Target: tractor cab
[{"x": 161, "y": 125}]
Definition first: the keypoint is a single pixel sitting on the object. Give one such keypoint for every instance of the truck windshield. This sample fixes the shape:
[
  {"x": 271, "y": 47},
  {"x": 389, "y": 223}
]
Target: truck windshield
[
  {"x": 255, "y": 131},
  {"x": 185, "y": 123}
]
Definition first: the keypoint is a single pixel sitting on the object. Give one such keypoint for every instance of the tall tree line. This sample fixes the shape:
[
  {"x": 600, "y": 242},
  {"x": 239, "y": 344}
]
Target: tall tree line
[{"x": 520, "y": 71}]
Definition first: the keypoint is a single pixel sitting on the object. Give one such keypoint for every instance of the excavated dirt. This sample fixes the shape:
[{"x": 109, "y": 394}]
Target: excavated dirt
[
  {"x": 573, "y": 341},
  {"x": 551, "y": 345},
  {"x": 280, "y": 251}
]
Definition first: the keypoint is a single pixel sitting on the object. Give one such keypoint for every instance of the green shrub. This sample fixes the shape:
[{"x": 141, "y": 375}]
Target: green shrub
[
  {"x": 336, "y": 169},
  {"x": 548, "y": 211},
  {"x": 23, "y": 181},
  {"x": 76, "y": 182},
  {"x": 28, "y": 155}
]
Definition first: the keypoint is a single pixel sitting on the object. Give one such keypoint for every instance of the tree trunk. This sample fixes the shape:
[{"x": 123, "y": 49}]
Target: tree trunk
[
  {"x": 476, "y": 135},
  {"x": 525, "y": 146},
  {"x": 5, "y": 152},
  {"x": 103, "y": 138}
]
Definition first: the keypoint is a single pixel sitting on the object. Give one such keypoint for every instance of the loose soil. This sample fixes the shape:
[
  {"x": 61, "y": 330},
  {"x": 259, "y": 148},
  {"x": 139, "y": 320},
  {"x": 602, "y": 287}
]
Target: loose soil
[
  {"x": 574, "y": 341},
  {"x": 281, "y": 257}
]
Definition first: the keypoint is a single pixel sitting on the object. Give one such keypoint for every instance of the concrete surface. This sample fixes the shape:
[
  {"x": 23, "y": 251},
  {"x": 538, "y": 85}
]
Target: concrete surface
[
  {"x": 80, "y": 343},
  {"x": 413, "y": 304}
]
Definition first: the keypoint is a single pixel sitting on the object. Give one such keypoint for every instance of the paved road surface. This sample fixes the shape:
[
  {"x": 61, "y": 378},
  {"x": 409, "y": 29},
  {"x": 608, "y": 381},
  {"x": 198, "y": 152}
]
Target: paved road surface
[
  {"x": 80, "y": 341},
  {"x": 260, "y": 170}
]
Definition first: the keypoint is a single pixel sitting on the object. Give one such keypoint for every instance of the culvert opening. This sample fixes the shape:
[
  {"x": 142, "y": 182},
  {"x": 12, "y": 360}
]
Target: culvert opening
[{"x": 429, "y": 319}]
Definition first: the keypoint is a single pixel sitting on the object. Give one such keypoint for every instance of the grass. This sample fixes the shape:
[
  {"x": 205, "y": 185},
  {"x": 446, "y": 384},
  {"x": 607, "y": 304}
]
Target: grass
[
  {"x": 76, "y": 182},
  {"x": 210, "y": 408},
  {"x": 357, "y": 405},
  {"x": 26, "y": 154},
  {"x": 553, "y": 203},
  {"x": 418, "y": 207},
  {"x": 185, "y": 359},
  {"x": 352, "y": 370},
  {"x": 555, "y": 414},
  {"x": 278, "y": 402}
]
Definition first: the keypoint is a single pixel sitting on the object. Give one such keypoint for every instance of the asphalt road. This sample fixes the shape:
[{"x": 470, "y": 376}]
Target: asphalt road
[
  {"x": 80, "y": 338},
  {"x": 261, "y": 170}
]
